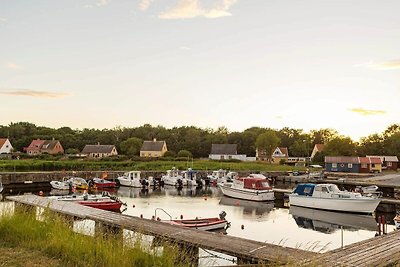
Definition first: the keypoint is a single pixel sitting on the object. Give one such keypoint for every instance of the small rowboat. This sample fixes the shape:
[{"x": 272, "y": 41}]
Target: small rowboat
[
  {"x": 206, "y": 224},
  {"x": 103, "y": 183}
]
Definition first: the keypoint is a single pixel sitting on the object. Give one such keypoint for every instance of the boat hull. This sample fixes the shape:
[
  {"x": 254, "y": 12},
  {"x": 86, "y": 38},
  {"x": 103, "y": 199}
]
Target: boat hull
[
  {"x": 247, "y": 194},
  {"x": 206, "y": 224},
  {"x": 59, "y": 185},
  {"x": 104, "y": 205},
  {"x": 131, "y": 183},
  {"x": 362, "y": 205}
]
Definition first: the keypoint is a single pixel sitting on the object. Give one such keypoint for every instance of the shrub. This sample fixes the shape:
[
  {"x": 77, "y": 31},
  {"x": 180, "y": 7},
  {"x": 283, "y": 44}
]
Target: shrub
[{"x": 185, "y": 153}]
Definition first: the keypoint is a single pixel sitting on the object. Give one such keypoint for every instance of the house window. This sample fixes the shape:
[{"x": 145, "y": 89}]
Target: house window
[
  {"x": 364, "y": 166},
  {"x": 334, "y": 165},
  {"x": 350, "y": 165},
  {"x": 389, "y": 164},
  {"x": 373, "y": 165}
]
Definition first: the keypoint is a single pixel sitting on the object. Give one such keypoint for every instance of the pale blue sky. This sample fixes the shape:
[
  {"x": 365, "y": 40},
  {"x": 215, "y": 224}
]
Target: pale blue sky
[{"x": 237, "y": 63}]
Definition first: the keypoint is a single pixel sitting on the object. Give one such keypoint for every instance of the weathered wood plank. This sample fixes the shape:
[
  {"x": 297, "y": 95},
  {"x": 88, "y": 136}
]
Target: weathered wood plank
[{"x": 235, "y": 246}]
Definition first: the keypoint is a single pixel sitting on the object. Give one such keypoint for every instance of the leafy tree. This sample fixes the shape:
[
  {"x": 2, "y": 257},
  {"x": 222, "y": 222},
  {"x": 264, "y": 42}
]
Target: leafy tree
[
  {"x": 185, "y": 154},
  {"x": 341, "y": 146},
  {"x": 372, "y": 145},
  {"x": 267, "y": 141},
  {"x": 392, "y": 144},
  {"x": 323, "y": 136},
  {"x": 131, "y": 146}
]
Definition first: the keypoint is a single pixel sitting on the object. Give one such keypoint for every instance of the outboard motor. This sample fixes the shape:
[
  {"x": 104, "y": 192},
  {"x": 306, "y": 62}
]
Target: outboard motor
[{"x": 222, "y": 215}]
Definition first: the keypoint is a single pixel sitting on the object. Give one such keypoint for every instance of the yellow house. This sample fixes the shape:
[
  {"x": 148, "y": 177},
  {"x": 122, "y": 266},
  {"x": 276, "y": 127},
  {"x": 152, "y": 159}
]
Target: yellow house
[
  {"x": 153, "y": 149},
  {"x": 376, "y": 164}
]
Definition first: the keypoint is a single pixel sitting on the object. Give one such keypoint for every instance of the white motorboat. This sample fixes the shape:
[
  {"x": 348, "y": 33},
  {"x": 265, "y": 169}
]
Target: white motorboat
[
  {"x": 253, "y": 187},
  {"x": 222, "y": 177},
  {"x": 329, "y": 197},
  {"x": 61, "y": 185},
  {"x": 133, "y": 179},
  {"x": 172, "y": 177},
  {"x": 190, "y": 177}
]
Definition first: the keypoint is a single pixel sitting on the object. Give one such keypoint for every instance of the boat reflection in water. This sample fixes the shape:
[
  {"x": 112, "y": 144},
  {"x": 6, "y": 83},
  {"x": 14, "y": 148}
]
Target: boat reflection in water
[
  {"x": 192, "y": 191},
  {"x": 132, "y": 192},
  {"x": 330, "y": 221},
  {"x": 249, "y": 207}
]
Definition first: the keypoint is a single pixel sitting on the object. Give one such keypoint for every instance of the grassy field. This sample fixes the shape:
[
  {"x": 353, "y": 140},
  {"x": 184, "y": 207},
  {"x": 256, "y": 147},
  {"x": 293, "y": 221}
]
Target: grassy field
[
  {"x": 154, "y": 165},
  {"x": 51, "y": 242}
]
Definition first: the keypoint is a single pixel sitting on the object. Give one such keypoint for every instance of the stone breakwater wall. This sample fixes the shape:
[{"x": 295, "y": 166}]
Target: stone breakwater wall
[{"x": 45, "y": 177}]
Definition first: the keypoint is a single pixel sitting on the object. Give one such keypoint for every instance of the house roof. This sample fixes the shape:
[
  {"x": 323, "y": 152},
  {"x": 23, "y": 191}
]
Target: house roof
[
  {"x": 36, "y": 144},
  {"x": 364, "y": 160},
  {"x": 49, "y": 144},
  {"x": 319, "y": 147},
  {"x": 284, "y": 150},
  {"x": 386, "y": 158},
  {"x": 341, "y": 159},
  {"x": 223, "y": 149},
  {"x": 152, "y": 145},
  {"x": 2, "y": 141},
  {"x": 375, "y": 160},
  {"x": 97, "y": 149}
]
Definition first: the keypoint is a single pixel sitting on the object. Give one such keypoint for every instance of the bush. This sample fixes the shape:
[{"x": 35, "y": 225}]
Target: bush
[
  {"x": 170, "y": 154},
  {"x": 185, "y": 153},
  {"x": 282, "y": 161}
]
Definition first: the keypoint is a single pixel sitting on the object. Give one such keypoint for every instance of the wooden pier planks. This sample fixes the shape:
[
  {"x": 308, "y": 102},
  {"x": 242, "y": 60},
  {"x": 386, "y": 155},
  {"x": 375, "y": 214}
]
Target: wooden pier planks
[
  {"x": 379, "y": 251},
  {"x": 235, "y": 246}
]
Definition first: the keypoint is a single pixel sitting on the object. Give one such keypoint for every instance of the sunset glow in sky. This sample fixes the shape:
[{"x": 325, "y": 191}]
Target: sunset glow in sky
[{"x": 237, "y": 63}]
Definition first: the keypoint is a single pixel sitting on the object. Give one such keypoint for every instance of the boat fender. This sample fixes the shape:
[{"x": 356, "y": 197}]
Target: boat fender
[
  {"x": 41, "y": 193},
  {"x": 153, "y": 218},
  {"x": 242, "y": 227},
  {"x": 141, "y": 216},
  {"x": 158, "y": 219},
  {"x": 181, "y": 217},
  {"x": 133, "y": 206}
]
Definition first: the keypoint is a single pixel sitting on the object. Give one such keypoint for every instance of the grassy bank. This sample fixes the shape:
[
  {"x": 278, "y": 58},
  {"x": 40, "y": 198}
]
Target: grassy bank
[
  {"x": 153, "y": 165},
  {"x": 52, "y": 239}
]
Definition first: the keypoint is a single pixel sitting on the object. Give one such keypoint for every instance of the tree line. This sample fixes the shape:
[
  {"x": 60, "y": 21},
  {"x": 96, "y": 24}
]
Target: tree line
[{"x": 198, "y": 141}]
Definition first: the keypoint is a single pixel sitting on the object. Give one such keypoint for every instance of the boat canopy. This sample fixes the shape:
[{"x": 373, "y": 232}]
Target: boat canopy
[
  {"x": 255, "y": 183},
  {"x": 304, "y": 189}
]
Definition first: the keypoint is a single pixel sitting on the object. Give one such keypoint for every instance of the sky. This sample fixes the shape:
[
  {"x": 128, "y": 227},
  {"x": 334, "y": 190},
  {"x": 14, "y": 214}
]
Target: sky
[{"x": 237, "y": 63}]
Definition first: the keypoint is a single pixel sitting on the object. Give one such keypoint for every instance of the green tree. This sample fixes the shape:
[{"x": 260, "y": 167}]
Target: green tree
[
  {"x": 170, "y": 154},
  {"x": 185, "y": 154},
  {"x": 131, "y": 146},
  {"x": 341, "y": 146},
  {"x": 267, "y": 141},
  {"x": 372, "y": 145}
]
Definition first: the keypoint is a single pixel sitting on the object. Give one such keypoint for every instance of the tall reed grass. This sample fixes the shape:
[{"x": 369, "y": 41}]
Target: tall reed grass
[{"x": 54, "y": 237}]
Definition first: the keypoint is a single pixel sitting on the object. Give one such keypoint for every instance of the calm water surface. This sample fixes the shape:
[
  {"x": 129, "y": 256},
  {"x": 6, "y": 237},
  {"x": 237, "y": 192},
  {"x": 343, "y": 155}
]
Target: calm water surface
[{"x": 270, "y": 222}]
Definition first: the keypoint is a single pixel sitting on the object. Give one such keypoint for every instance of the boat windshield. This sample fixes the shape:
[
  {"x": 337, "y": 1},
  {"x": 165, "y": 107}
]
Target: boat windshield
[{"x": 333, "y": 188}]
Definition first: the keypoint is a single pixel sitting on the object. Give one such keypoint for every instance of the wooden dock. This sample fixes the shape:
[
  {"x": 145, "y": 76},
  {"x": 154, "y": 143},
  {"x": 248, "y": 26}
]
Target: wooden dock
[
  {"x": 379, "y": 251},
  {"x": 244, "y": 249}
]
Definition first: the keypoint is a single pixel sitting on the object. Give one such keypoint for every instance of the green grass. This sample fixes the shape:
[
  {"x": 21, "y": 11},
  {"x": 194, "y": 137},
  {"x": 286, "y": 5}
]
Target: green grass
[
  {"x": 153, "y": 165},
  {"x": 54, "y": 239}
]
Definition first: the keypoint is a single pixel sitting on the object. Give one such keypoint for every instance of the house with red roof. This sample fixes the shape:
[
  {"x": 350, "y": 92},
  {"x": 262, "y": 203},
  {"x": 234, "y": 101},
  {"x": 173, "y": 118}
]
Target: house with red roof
[
  {"x": 39, "y": 146},
  {"x": 5, "y": 146},
  {"x": 318, "y": 148}
]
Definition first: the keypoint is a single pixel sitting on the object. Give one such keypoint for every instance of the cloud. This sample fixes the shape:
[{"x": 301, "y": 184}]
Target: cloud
[
  {"x": 14, "y": 66},
  {"x": 187, "y": 9},
  {"x": 2, "y": 19},
  {"x": 145, "y": 4},
  {"x": 32, "y": 93},
  {"x": 367, "y": 112},
  {"x": 385, "y": 65},
  {"x": 185, "y": 48}
]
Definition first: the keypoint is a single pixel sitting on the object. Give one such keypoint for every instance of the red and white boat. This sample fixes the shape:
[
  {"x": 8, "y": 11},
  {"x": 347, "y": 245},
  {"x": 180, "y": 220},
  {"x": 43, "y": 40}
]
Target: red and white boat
[
  {"x": 206, "y": 224},
  {"x": 104, "y": 201},
  {"x": 103, "y": 183},
  {"x": 254, "y": 187},
  {"x": 111, "y": 205}
]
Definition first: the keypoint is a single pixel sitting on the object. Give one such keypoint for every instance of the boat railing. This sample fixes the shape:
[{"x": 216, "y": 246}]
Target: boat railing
[{"x": 155, "y": 213}]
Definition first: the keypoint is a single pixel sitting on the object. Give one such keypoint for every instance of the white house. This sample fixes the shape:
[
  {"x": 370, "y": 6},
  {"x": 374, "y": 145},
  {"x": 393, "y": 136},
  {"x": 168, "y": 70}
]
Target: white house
[
  {"x": 227, "y": 152},
  {"x": 5, "y": 146}
]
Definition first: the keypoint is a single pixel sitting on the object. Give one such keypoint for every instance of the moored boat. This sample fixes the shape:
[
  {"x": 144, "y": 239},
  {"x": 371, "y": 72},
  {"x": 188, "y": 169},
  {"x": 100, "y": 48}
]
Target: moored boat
[
  {"x": 78, "y": 183},
  {"x": 61, "y": 185},
  {"x": 254, "y": 187},
  {"x": 172, "y": 177},
  {"x": 206, "y": 224},
  {"x": 103, "y": 183},
  {"x": 133, "y": 179},
  {"x": 329, "y": 197}
]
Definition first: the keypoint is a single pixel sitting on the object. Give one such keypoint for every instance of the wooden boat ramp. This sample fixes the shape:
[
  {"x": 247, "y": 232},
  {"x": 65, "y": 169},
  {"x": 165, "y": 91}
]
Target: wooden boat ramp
[{"x": 246, "y": 251}]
